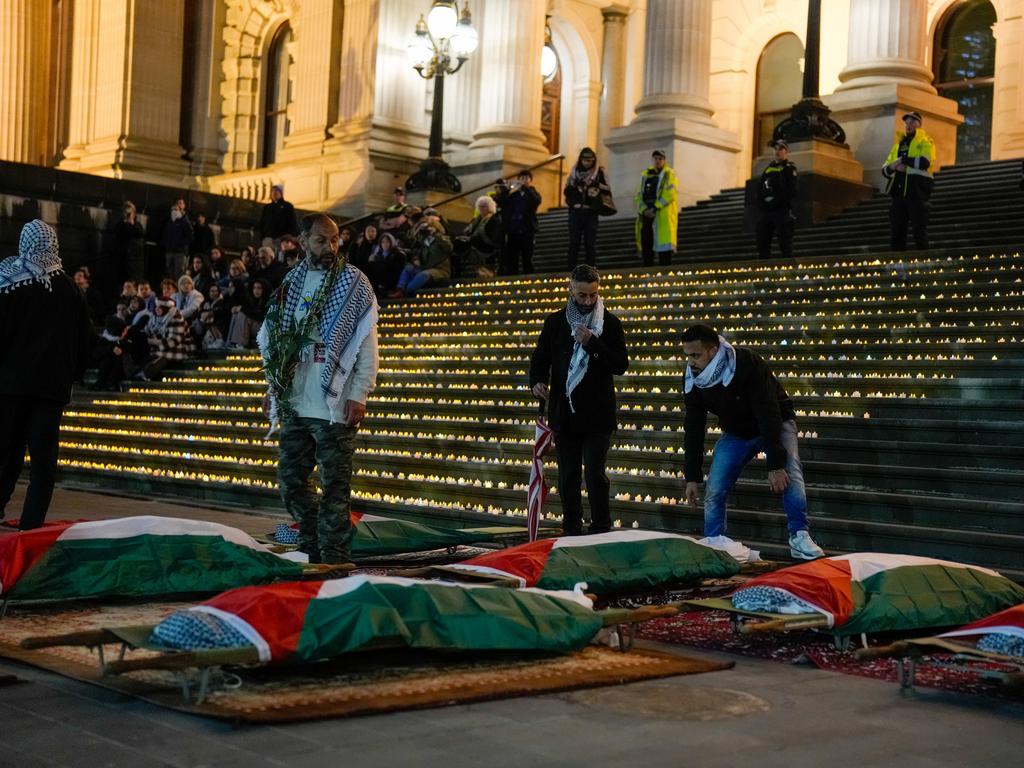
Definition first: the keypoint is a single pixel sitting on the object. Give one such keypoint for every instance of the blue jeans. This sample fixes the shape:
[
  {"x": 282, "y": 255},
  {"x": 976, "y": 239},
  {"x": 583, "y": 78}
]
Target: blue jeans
[
  {"x": 412, "y": 279},
  {"x": 731, "y": 455}
]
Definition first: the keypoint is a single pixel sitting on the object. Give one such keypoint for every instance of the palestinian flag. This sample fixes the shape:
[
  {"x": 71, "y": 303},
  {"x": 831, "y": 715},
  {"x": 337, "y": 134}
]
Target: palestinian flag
[
  {"x": 134, "y": 556},
  {"x": 1001, "y": 632},
  {"x": 619, "y": 561},
  {"x": 870, "y": 592},
  {"x": 377, "y": 536},
  {"x": 310, "y": 621}
]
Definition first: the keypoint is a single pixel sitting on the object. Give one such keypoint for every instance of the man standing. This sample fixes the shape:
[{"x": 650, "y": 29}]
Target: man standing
[
  {"x": 319, "y": 349},
  {"x": 579, "y": 350},
  {"x": 44, "y": 332},
  {"x": 657, "y": 212},
  {"x": 908, "y": 169},
  {"x": 177, "y": 238},
  {"x": 755, "y": 414},
  {"x": 519, "y": 206},
  {"x": 775, "y": 194},
  {"x": 278, "y": 218}
]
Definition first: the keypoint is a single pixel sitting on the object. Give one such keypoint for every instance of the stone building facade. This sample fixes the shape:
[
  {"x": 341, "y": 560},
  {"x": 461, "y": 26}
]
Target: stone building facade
[{"x": 231, "y": 96}]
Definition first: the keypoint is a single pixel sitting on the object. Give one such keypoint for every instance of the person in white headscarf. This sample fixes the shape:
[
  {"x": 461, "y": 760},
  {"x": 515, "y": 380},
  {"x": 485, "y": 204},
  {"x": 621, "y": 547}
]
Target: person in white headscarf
[
  {"x": 580, "y": 350},
  {"x": 44, "y": 333}
]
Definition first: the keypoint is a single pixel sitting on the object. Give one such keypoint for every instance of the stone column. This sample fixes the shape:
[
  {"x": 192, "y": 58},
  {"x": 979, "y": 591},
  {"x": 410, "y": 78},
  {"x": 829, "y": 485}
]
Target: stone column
[
  {"x": 887, "y": 75},
  {"x": 510, "y": 93},
  {"x": 24, "y": 71},
  {"x": 126, "y": 89},
  {"x": 675, "y": 113},
  {"x": 610, "y": 114}
]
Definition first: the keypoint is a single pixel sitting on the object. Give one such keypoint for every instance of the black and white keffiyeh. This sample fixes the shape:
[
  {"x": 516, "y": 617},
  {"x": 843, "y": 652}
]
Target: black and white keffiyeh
[
  {"x": 720, "y": 370},
  {"x": 345, "y": 318},
  {"x": 594, "y": 321},
  {"x": 37, "y": 261}
]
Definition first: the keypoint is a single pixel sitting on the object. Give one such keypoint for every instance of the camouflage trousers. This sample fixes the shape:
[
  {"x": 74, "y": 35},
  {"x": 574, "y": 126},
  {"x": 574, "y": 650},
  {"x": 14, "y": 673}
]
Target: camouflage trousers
[{"x": 325, "y": 529}]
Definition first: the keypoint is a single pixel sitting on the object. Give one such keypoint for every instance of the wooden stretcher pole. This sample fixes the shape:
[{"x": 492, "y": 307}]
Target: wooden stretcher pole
[
  {"x": 88, "y": 637},
  {"x": 186, "y": 660},
  {"x": 783, "y": 625},
  {"x": 888, "y": 651}
]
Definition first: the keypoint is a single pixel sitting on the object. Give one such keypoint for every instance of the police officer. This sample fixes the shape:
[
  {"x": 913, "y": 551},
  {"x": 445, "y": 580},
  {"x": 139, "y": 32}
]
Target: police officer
[
  {"x": 909, "y": 171},
  {"x": 775, "y": 193}
]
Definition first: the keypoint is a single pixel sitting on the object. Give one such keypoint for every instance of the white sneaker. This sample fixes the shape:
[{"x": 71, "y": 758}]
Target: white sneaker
[{"x": 802, "y": 547}]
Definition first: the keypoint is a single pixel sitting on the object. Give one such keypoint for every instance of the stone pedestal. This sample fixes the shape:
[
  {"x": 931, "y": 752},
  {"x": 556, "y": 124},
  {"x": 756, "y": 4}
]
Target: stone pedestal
[{"x": 830, "y": 182}]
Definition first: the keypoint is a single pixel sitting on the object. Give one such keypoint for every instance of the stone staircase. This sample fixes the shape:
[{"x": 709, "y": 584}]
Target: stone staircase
[
  {"x": 963, "y": 217},
  {"x": 907, "y": 377}
]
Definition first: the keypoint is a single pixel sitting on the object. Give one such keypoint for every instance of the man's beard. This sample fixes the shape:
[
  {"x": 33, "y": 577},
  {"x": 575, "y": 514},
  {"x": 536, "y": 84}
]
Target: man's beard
[
  {"x": 582, "y": 308},
  {"x": 324, "y": 261}
]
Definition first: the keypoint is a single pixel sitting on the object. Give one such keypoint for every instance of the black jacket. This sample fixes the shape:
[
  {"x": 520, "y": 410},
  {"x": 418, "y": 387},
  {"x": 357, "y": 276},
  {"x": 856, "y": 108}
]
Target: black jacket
[
  {"x": 594, "y": 396},
  {"x": 278, "y": 218},
  {"x": 778, "y": 186},
  {"x": 177, "y": 235},
  {"x": 519, "y": 210},
  {"x": 753, "y": 404},
  {"x": 43, "y": 335}
]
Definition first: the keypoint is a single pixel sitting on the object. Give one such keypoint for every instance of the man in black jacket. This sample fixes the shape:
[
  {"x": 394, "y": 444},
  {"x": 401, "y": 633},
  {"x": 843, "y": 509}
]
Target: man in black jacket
[
  {"x": 44, "y": 331},
  {"x": 579, "y": 350},
  {"x": 278, "y": 218},
  {"x": 755, "y": 414},
  {"x": 775, "y": 194},
  {"x": 518, "y": 205}
]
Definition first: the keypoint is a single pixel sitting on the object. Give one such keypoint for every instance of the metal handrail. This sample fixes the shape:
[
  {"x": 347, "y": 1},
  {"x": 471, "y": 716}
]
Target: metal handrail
[{"x": 561, "y": 176}]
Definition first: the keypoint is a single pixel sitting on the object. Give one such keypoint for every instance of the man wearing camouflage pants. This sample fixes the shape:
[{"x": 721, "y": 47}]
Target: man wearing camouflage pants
[{"x": 319, "y": 348}]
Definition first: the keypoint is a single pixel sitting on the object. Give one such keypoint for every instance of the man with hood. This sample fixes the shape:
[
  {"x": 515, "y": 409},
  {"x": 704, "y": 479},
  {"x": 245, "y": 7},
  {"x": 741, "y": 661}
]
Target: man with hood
[
  {"x": 44, "y": 332},
  {"x": 580, "y": 350},
  {"x": 657, "y": 211},
  {"x": 319, "y": 348},
  {"x": 909, "y": 171}
]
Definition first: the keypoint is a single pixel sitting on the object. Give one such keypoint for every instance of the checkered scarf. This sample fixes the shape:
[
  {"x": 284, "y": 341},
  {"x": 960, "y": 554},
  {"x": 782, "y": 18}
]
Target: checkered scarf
[
  {"x": 594, "y": 320},
  {"x": 37, "y": 261},
  {"x": 348, "y": 315},
  {"x": 720, "y": 370}
]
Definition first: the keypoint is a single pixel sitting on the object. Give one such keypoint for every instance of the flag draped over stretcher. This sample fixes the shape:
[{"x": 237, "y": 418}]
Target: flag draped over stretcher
[
  {"x": 612, "y": 562},
  {"x": 377, "y": 536},
  {"x": 872, "y": 592},
  {"x": 134, "y": 556},
  {"x": 1001, "y": 632},
  {"x": 310, "y": 621}
]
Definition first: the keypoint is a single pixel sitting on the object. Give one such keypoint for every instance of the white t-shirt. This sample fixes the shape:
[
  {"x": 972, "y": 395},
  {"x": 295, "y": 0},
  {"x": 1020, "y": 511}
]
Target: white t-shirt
[{"x": 308, "y": 396}]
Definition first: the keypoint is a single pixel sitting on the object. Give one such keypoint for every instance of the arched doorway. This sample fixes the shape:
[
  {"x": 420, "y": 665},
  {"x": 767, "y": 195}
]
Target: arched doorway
[
  {"x": 551, "y": 104},
  {"x": 278, "y": 94},
  {"x": 779, "y": 86},
  {"x": 964, "y": 65}
]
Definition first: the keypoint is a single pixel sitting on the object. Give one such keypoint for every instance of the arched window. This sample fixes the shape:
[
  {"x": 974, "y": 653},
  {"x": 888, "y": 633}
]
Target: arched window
[
  {"x": 278, "y": 94},
  {"x": 779, "y": 86},
  {"x": 965, "y": 63},
  {"x": 551, "y": 105}
]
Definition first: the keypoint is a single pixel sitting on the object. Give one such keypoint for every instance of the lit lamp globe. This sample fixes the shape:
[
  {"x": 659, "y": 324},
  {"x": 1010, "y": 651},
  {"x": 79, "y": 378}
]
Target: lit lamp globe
[
  {"x": 419, "y": 50},
  {"x": 548, "y": 62},
  {"x": 464, "y": 39},
  {"x": 442, "y": 19}
]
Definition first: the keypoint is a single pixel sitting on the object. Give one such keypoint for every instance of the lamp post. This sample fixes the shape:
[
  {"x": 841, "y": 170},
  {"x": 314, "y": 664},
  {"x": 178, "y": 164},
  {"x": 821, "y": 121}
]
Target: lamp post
[{"x": 441, "y": 44}]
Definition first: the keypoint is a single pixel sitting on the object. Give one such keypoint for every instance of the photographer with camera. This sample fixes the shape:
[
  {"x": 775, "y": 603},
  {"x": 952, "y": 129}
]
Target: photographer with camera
[
  {"x": 431, "y": 262},
  {"x": 518, "y": 203},
  {"x": 584, "y": 192}
]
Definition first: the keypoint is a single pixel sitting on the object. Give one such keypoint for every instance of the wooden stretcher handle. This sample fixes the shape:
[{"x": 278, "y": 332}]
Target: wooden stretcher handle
[
  {"x": 186, "y": 660},
  {"x": 648, "y": 612},
  {"x": 885, "y": 651},
  {"x": 87, "y": 637},
  {"x": 782, "y": 625}
]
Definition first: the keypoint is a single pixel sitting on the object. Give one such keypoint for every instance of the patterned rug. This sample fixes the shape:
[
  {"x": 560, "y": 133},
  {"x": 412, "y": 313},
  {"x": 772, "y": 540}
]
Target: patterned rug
[{"x": 360, "y": 684}]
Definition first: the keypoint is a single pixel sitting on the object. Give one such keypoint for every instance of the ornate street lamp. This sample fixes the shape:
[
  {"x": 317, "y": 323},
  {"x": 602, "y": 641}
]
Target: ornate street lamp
[{"x": 441, "y": 44}]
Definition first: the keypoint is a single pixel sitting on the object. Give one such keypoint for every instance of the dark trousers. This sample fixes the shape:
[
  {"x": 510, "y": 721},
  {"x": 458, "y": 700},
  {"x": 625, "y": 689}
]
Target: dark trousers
[
  {"x": 33, "y": 423},
  {"x": 647, "y": 245},
  {"x": 779, "y": 222},
  {"x": 325, "y": 525},
  {"x": 582, "y": 227},
  {"x": 582, "y": 456},
  {"x": 517, "y": 246},
  {"x": 904, "y": 211}
]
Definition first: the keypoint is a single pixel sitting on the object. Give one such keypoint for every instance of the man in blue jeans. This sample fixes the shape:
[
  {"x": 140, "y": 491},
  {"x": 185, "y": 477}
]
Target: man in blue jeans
[{"x": 755, "y": 415}]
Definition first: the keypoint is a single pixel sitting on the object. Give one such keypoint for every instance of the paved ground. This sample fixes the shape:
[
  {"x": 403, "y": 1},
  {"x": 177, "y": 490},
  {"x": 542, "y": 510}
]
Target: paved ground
[{"x": 760, "y": 713}]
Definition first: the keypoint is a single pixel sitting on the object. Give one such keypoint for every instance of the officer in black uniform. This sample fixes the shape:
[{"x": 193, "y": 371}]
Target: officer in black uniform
[{"x": 775, "y": 194}]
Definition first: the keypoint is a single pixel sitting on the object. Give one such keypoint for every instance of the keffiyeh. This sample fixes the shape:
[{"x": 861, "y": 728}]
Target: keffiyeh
[
  {"x": 37, "y": 261},
  {"x": 594, "y": 321},
  {"x": 720, "y": 370}
]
